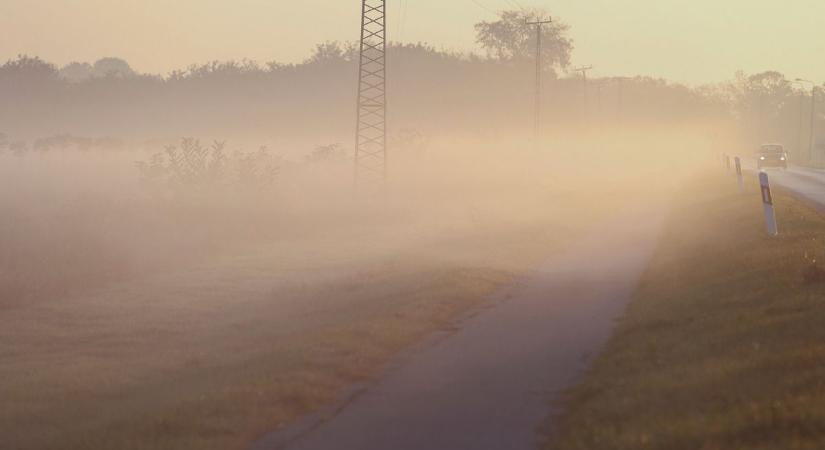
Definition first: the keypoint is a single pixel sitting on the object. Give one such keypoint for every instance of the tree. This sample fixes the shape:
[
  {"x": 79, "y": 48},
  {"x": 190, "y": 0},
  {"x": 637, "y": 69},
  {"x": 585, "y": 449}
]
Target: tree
[
  {"x": 28, "y": 69},
  {"x": 77, "y": 72},
  {"x": 760, "y": 99},
  {"x": 511, "y": 39},
  {"x": 767, "y": 90},
  {"x": 332, "y": 52},
  {"x": 113, "y": 67},
  {"x": 327, "y": 153}
]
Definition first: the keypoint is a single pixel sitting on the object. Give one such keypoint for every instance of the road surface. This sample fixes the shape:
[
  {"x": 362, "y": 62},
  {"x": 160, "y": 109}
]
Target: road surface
[
  {"x": 491, "y": 384},
  {"x": 806, "y": 182}
]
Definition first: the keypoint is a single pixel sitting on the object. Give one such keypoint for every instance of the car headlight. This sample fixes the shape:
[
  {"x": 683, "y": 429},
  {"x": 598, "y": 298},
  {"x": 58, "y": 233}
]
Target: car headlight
[
  {"x": 782, "y": 158},
  {"x": 762, "y": 158}
]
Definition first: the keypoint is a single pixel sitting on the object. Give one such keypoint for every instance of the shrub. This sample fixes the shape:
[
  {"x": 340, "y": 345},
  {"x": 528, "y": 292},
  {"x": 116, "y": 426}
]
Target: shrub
[
  {"x": 192, "y": 165},
  {"x": 327, "y": 153}
]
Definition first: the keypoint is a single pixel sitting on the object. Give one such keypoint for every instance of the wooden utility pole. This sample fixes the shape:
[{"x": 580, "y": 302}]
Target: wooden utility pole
[{"x": 539, "y": 24}]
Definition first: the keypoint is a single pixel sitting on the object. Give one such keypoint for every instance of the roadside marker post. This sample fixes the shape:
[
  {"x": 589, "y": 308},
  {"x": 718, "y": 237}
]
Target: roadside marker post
[
  {"x": 739, "y": 178},
  {"x": 767, "y": 201},
  {"x": 727, "y": 162}
]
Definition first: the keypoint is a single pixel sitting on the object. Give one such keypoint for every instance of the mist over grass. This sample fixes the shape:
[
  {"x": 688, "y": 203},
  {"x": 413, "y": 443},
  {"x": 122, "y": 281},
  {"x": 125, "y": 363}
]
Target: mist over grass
[
  {"x": 195, "y": 306},
  {"x": 77, "y": 219},
  {"x": 159, "y": 291}
]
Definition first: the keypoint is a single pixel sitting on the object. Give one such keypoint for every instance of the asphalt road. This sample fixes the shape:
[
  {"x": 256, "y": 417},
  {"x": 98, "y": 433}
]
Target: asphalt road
[
  {"x": 805, "y": 182},
  {"x": 492, "y": 384}
]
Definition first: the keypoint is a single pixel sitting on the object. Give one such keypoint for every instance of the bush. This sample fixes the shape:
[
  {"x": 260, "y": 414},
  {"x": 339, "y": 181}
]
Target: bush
[
  {"x": 334, "y": 153},
  {"x": 192, "y": 165}
]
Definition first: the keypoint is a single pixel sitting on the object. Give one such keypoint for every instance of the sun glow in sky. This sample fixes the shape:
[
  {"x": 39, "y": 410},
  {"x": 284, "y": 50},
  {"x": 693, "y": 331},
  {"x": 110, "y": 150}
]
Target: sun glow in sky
[{"x": 693, "y": 41}]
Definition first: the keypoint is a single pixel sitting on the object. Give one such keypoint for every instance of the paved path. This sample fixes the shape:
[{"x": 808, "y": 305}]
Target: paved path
[{"x": 491, "y": 384}]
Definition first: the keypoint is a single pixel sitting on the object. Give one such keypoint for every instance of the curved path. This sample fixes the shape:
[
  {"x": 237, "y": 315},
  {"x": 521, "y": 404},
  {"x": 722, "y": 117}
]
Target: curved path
[{"x": 491, "y": 384}]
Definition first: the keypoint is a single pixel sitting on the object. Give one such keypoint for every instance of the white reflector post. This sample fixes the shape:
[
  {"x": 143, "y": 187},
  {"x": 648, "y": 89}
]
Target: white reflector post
[
  {"x": 767, "y": 201},
  {"x": 739, "y": 178}
]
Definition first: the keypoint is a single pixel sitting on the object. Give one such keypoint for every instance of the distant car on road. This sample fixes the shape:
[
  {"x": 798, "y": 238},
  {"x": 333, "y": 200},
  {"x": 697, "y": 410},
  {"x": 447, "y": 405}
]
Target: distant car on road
[{"x": 772, "y": 155}]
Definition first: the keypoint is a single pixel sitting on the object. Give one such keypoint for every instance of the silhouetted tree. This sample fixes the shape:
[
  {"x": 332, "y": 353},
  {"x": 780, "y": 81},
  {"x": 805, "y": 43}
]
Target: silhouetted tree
[
  {"x": 28, "y": 69},
  {"x": 765, "y": 93},
  {"x": 511, "y": 39},
  {"x": 77, "y": 71},
  {"x": 113, "y": 67},
  {"x": 332, "y": 51}
]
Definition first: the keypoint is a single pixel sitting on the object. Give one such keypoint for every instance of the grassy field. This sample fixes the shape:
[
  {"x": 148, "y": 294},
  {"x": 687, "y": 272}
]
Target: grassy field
[
  {"x": 724, "y": 344},
  {"x": 214, "y": 356},
  {"x": 146, "y": 317}
]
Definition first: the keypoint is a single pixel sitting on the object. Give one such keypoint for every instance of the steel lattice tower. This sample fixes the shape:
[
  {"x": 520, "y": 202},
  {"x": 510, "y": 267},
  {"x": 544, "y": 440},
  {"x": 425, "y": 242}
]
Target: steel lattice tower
[{"x": 371, "y": 129}]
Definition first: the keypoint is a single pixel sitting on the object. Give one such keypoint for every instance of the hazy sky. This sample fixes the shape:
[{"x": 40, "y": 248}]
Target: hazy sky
[{"x": 685, "y": 40}]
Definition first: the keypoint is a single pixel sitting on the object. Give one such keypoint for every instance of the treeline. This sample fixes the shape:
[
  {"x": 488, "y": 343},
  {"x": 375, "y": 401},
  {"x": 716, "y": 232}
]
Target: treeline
[
  {"x": 769, "y": 107},
  {"x": 431, "y": 90}
]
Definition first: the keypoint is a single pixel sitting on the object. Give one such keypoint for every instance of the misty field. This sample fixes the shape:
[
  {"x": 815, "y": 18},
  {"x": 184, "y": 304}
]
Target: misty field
[
  {"x": 219, "y": 220},
  {"x": 166, "y": 313}
]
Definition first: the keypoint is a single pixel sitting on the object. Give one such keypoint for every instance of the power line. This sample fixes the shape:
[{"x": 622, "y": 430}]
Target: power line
[
  {"x": 480, "y": 5},
  {"x": 401, "y": 19},
  {"x": 515, "y": 3}
]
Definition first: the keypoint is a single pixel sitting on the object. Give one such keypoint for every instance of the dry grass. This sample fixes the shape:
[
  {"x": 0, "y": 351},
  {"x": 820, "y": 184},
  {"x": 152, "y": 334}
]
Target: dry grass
[
  {"x": 191, "y": 322},
  {"x": 214, "y": 356},
  {"x": 723, "y": 345}
]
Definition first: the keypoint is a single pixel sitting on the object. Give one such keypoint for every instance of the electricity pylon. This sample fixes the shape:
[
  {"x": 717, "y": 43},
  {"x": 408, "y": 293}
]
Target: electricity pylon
[
  {"x": 539, "y": 72},
  {"x": 371, "y": 129}
]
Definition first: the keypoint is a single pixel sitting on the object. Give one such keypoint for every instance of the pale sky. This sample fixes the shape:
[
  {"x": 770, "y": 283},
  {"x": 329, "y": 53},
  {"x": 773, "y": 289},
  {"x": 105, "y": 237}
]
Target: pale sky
[{"x": 692, "y": 41}]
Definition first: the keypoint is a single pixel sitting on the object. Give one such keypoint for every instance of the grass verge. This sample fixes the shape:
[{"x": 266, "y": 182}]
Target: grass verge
[{"x": 723, "y": 346}]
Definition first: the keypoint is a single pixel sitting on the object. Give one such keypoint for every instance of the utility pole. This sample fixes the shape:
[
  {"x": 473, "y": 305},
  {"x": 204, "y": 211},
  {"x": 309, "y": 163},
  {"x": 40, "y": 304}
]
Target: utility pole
[
  {"x": 371, "y": 127},
  {"x": 801, "y": 114},
  {"x": 539, "y": 24},
  {"x": 583, "y": 70},
  {"x": 813, "y": 123},
  {"x": 600, "y": 85},
  {"x": 811, "y": 155},
  {"x": 620, "y": 100}
]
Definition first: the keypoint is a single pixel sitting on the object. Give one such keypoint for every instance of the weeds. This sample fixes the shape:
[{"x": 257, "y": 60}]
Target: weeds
[
  {"x": 193, "y": 165},
  {"x": 327, "y": 153}
]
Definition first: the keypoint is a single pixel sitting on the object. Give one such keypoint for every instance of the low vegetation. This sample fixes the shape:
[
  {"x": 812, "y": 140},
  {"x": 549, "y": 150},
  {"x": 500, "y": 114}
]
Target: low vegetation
[
  {"x": 216, "y": 355},
  {"x": 200, "y": 315},
  {"x": 723, "y": 346},
  {"x": 137, "y": 318},
  {"x": 192, "y": 164}
]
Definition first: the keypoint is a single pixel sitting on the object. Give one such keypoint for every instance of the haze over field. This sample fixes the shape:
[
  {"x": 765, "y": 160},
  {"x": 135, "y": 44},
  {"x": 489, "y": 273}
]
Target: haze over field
[{"x": 192, "y": 257}]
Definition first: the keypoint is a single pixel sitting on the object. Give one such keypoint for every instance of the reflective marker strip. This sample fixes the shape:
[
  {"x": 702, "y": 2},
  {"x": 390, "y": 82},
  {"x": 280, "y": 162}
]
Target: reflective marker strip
[{"x": 767, "y": 197}]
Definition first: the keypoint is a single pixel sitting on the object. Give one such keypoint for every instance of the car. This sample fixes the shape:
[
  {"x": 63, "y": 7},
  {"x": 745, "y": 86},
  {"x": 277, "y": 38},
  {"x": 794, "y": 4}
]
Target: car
[{"x": 772, "y": 155}]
